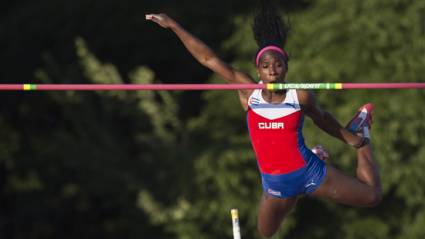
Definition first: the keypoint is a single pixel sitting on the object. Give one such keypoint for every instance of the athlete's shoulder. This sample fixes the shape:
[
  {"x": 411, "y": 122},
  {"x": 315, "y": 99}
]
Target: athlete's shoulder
[{"x": 306, "y": 98}]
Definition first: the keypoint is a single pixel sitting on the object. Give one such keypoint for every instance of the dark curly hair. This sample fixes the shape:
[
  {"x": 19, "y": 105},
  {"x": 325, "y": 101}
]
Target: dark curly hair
[{"x": 268, "y": 27}]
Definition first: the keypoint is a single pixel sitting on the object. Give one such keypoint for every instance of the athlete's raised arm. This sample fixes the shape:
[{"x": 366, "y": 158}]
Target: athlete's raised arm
[
  {"x": 201, "y": 51},
  {"x": 325, "y": 121}
]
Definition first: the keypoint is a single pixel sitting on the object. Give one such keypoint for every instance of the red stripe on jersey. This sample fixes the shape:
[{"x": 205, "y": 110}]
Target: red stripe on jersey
[{"x": 275, "y": 142}]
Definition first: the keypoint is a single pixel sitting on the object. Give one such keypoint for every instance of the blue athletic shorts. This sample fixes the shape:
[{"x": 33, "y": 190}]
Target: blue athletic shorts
[{"x": 302, "y": 181}]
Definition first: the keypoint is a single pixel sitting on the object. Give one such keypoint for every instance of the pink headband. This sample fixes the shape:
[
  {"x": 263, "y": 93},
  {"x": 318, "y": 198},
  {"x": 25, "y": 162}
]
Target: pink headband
[{"x": 273, "y": 48}]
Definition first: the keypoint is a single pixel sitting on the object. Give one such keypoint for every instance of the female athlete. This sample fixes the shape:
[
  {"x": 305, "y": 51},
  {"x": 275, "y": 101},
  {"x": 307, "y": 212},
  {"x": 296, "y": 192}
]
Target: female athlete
[{"x": 275, "y": 120}]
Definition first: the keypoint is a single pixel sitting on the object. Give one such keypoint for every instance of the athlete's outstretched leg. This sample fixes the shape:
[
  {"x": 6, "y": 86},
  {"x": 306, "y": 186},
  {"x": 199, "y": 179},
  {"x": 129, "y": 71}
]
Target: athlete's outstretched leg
[
  {"x": 367, "y": 170},
  {"x": 365, "y": 189},
  {"x": 362, "y": 191},
  {"x": 272, "y": 212}
]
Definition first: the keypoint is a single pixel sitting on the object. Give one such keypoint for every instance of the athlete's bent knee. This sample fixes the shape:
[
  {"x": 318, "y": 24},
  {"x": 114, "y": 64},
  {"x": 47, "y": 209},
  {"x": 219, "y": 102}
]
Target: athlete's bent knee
[
  {"x": 374, "y": 198},
  {"x": 266, "y": 232}
]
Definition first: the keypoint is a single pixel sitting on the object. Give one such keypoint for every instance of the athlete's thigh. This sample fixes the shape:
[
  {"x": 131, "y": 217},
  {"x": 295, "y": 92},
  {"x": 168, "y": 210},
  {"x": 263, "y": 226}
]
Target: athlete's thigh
[
  {"x": 272, "y": 211},
  {"x": 344, "y": 189}
]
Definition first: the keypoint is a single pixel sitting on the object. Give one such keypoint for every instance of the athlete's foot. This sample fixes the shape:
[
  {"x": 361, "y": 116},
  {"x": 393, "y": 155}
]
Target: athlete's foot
[
  {"x": 320, "y": 152},
  {"x": 362, "y": 119}
]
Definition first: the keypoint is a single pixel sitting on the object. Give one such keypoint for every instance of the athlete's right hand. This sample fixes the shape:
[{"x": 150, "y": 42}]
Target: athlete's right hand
[{"x": 161, "y": 19}]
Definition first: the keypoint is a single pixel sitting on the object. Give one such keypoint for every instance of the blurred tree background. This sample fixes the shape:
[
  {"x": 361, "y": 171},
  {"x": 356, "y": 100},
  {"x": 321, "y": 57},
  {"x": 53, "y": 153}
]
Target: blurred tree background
[{"x": 173, "y": 164}]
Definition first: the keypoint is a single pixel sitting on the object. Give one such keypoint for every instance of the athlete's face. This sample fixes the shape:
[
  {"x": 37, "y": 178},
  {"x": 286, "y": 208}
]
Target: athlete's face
[{"x": 271, "y": 68}]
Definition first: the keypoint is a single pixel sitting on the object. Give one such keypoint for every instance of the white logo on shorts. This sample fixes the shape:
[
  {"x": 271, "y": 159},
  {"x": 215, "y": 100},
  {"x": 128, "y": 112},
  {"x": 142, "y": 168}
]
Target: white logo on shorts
[
  {"x": 310, "y": 184},
  {"x": 273, "y": 192}
]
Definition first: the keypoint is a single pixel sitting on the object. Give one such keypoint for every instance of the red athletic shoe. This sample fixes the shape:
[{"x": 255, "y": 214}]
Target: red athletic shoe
[
  {"x": 320, "y": 152},
  {"x": 362, "y": 118}
]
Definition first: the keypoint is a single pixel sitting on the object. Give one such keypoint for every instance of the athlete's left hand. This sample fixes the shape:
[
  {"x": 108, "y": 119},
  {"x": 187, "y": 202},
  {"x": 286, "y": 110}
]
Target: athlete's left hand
[{"x": 161, "y": 19}]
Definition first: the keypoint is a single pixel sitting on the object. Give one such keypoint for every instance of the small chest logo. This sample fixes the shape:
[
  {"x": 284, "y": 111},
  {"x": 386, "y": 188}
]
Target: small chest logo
[
  {"x": 271, "y": 125},
  {"x": 254, "y": 101}
]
